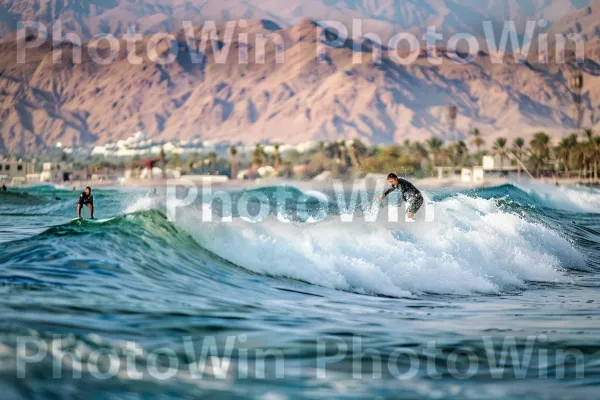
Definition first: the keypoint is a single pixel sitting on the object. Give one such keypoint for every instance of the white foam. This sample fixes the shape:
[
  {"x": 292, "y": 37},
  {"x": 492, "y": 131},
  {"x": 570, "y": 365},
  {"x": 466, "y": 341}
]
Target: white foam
[
  {"x": 472, "y": 247},
  {"x": 143, "y": 203},
  {"x": 568, "y": 198}
]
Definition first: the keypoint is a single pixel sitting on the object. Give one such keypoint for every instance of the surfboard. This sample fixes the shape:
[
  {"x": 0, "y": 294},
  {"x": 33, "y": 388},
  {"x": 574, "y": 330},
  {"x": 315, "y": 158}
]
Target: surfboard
[
  {"x": 93, "y": 221},
  {"x": 99, "y": 221}
]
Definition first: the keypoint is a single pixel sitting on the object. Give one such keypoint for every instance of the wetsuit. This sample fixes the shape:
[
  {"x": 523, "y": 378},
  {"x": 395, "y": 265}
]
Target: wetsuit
[
  {"x": 410, "y": 194},
  {"x": 85, "y": 200}
]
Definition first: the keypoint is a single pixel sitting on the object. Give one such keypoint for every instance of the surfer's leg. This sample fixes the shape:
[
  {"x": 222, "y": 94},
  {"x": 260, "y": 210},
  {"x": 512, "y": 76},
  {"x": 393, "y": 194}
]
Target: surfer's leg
[{"x": 414, "y": 204}]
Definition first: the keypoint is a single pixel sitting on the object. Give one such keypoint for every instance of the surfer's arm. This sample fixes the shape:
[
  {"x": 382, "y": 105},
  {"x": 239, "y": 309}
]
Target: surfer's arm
[
  {"x": 385, "y": 194},
  {"x": 78, "y": 210},
  {"x": 91, "y": 205}
]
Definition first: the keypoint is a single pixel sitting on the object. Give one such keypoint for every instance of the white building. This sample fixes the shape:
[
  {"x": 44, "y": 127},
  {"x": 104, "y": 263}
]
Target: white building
[
  {"x": 497, "y": 163},
  {"x": 15, "y": 170},
  {"x": 140, "y": 145},
  {"x": 472, "y": 175},
  {"x": 55, "y": 171}
]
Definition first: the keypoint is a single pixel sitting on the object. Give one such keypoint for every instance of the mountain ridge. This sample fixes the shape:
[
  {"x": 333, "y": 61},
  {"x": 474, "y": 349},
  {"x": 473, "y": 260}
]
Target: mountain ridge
[
  {"x": 384, "y": 17},
  {"x": 42, "y": 103}
]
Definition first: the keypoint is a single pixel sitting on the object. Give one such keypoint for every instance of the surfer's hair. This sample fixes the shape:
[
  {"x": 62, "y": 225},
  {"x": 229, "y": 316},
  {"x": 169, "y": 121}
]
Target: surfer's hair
[
  {"x": 392, "y": 176},
  {"x": 87, "y": 187}
]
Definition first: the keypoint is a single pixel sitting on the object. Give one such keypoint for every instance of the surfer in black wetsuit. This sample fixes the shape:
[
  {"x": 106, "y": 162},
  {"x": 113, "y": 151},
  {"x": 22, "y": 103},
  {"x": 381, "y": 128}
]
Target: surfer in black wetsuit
[
  {"x": 410, "y": 194},
  {"x": 86, "y": 199}
]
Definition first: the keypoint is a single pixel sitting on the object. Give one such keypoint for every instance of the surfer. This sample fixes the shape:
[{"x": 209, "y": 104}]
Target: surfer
[
  {"x": 87, "y": 199},
  {"x": 3, "y": 188},
  {"x": 410, "y": 194}
]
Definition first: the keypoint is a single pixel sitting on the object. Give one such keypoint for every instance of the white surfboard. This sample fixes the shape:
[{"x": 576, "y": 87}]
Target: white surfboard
[{"x": 94, "y": 221}]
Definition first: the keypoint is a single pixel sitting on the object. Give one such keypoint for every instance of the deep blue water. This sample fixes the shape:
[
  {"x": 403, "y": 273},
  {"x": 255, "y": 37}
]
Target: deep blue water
[{"x": 496, "y": 298}]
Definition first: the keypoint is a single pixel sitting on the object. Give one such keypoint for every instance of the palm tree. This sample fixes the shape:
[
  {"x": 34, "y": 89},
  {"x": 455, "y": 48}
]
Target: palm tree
[
  {"x": 276, "y": 157},
  {"x": 191, "y": 163},
  {"x": 322, "y": 147},
  {"x": 589, "y": 134},
  {"x": 212, "y": 162},
  {"x": 463, "y": 151},
  {"x": 176, "y": 160},
  {"x": 518, "y": 145},
  {"x": 596, "y": 141},
  {"x": 566, "y": 149},
  {"x": 258, "y": 156},
  {"x": 445, "y": 156},
  {"x": 540, "y": 144},
  {"x": 163, "y": 162},
  {"x": 359, "y": 149},
  {"x": 353, "y": 156},
  {"x": 233, "y": 161},
  {"x": 500, "y": 149},
  {"x": 419, "y": 151},
  {"x": 343, "y": 152},
  {"x": 586, "y": 155},
  {"x": 435, "y": 145},
  {"x": 457, "y": 153},
  {"x": 332, "y": 151},
  {"x": 536, "y": 163},
  {"x": 477, "y": 140}
]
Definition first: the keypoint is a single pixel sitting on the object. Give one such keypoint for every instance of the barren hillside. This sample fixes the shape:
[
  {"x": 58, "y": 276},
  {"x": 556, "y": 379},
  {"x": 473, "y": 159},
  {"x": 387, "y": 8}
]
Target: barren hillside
[{"x": 306, "y": 97}]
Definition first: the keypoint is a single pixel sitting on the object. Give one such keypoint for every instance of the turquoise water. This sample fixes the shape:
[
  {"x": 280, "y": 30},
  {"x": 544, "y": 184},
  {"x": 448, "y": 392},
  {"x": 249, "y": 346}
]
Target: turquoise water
[{"x": 496, "y": 298}]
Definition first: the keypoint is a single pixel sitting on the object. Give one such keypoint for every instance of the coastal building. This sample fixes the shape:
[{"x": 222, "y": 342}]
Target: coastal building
[
  {"x": 15, "y": 170},
  {"x": 266, "y": 172},
  {"x": 497, "y": 164},
  {"x": 447, "y": 172},
  {"x": 206, "y": 178},
  {"x": 52, "y": 171},
  {"x": 61, "y": 172},
  {"x": 465, "y": 174},
  {"x": 78, "y": 174},
  {"x": 138, "y": 145},
  {"x": 300, "y": 148},
  {"x": 33, "y": 178},
  {"x": 472, "y": 175}
]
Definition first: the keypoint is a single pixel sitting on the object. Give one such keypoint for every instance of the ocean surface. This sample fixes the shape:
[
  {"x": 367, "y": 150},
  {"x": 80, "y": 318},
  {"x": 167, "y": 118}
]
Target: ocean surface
[{"x": 299, "y": 294}]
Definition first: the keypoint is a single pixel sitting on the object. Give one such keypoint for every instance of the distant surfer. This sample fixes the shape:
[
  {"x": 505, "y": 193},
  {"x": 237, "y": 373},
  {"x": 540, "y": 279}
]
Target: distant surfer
[
  {"x": 3, "y": 188},
  {"x": 410, "y": 194},
  {"x": 86, "y": 199}
]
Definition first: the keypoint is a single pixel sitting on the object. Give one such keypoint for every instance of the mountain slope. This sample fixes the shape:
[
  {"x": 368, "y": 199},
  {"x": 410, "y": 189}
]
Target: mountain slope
[
  {"x": 385, "y": 17},
  {"x": 302, "y": 99}
]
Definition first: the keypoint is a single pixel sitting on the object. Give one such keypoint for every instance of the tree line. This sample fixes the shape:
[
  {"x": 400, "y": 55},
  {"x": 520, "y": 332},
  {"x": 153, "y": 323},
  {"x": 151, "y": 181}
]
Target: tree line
[{"x": 577, "y": 155}]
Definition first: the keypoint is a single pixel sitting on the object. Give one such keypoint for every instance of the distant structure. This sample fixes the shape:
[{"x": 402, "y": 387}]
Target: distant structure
[
  {"x": 59, "y": 172},
  {"x": 451, "y": 115},
  {"x": 16, "y": 171},
  {"x": 493, "y": 165},
  {"x": 576, "y": 86},
  {"x": 139, "y": 145},
  {"x": 149, "y": 165}
]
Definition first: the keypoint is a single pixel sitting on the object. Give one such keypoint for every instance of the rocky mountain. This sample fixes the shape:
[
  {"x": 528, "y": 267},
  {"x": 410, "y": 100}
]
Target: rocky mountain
[
  {"x": 385, "y": 17},
  {"x": 585, "y": 22},
  {"x": 311, "y": 95}
]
